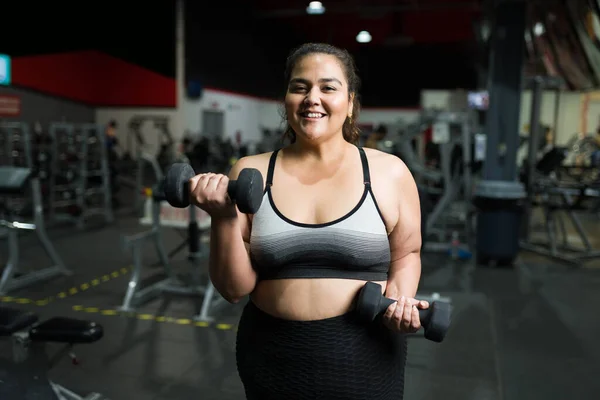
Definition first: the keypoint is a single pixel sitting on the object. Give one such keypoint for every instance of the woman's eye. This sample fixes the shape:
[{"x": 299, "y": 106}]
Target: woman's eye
[{"x": 296, "y": 89}]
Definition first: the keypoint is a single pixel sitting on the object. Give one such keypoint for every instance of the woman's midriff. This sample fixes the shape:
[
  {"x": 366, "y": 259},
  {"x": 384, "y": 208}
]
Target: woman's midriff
[{"x": 307, "y": 299}]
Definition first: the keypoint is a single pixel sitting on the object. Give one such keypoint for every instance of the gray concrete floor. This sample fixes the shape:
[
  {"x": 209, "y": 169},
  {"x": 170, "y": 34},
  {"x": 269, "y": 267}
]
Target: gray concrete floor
[{"x": 528, "y": 332}]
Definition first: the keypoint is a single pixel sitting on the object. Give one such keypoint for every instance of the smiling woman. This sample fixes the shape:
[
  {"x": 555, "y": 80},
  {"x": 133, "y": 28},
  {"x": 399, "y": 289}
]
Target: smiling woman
[
  {"x": 325, "y": 60},
  {"x": 333, "y": 217}
]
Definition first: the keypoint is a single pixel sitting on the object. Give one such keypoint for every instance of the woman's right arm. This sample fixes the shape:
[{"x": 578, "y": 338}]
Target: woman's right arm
[{"x": 230, "y": 268}]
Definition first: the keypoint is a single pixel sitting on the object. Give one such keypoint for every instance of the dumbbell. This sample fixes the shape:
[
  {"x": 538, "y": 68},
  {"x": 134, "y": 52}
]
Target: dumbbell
[
  {"x": 246, "y": 191},
  {"x": 435, "y": 320}
]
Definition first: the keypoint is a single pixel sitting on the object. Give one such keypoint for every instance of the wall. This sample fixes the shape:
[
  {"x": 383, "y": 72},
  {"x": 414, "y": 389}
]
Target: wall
[
  {"x": 567, "y": 122},
  {"x": 242, "y": 113},
  {"x": 271, "y": 114},
  {"x": 590, "y": 112},
  {"x": 123, "y": 115},
  {"x": 37, "y": 107},
  {"x": 388, "y": 116}
]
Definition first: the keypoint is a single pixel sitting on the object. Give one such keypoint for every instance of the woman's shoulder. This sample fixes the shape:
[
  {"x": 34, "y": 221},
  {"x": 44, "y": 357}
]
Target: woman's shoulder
[
  {"x": 381, "y": 160},
  {"x": 388, "y": 166},
  {"x": 256, "y": 161}
]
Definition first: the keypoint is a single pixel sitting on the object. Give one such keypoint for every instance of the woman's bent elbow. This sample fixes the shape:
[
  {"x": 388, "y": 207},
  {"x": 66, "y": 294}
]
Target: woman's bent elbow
[
  {"x": 233, "y": 291},
  {"x": 233, "y": 295}
]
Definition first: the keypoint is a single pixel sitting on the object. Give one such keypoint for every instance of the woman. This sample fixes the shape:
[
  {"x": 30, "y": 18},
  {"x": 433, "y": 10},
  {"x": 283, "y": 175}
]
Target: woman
[{"x": 333, "y": 217}]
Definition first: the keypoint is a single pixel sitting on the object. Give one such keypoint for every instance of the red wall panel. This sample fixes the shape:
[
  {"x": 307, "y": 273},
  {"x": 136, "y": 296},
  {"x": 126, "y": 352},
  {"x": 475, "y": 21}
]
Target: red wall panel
[{"x": 94, "y": 78}]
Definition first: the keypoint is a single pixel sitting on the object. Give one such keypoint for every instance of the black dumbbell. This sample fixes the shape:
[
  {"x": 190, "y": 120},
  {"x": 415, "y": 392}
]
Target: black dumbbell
[
  {"x": 435, "y": 320},
  {"x": 246, "y": 191}
]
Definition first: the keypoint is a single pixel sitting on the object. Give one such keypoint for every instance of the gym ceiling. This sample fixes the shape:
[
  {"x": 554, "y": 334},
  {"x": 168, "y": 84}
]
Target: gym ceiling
[{"x": 241, "y": 45}]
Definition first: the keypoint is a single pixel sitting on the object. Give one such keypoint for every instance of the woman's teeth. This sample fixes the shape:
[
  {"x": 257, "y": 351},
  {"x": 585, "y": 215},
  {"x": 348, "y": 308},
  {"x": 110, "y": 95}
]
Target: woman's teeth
[{"x": 313, "y": 115}]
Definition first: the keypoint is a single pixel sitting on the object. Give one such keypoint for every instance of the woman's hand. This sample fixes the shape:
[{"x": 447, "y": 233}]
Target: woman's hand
[
  {"x": 403, "y": 315},
  {"x": 209, "y": 192}
]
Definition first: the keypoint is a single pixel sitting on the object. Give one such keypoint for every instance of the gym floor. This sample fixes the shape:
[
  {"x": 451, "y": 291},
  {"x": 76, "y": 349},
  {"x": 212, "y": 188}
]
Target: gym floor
[{"x": 528, "y": 332}]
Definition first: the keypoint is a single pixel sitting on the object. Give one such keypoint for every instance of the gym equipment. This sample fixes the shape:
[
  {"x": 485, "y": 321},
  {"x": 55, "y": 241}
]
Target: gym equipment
[
  {"x": 80, "y": 177},
  {"x": 435, "y": 320},
  {"x": 15, "y": 183},
  {"x": 546, "y": 190},
  {"x": 27, "y": 372},
  {"x": 581, "y": 149},
  {"x": 164, "y": 140},
  {"x": 556, "y": 197},
  {"x": 246, "y": 191},
  {"x": 191, "y": 286},
  {"x": 452, "y": 132},
  {"x": 144, "y": 169}
]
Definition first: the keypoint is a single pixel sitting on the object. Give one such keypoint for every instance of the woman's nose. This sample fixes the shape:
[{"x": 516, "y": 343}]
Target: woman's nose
[{"x": 312, "y": 97}]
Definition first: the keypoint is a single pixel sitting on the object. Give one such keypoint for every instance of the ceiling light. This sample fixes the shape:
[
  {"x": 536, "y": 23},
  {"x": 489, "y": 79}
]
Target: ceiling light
[
  {"x": 315, "y": 7},
  {"x": 363, "y": 37},
  {"x": 538, "y": 29}
]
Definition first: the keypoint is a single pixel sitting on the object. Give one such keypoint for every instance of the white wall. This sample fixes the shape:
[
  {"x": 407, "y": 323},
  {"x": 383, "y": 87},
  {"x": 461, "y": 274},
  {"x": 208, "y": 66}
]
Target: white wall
[
  {"x": 389, "y": 116},
  {"x": 270, "y": 115},
  {"x": 242, "y": 113},
  {"x": 568, "y": 120},
  {"x": 123, "y": 115}
]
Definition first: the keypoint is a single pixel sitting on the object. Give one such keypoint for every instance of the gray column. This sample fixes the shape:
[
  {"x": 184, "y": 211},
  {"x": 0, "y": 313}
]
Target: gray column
[{"x": 505, "y": 85}]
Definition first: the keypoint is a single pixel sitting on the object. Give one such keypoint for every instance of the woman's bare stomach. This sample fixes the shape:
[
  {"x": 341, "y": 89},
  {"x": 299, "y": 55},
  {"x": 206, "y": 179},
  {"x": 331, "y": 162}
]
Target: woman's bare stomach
[{"x": 307, "y": 299}]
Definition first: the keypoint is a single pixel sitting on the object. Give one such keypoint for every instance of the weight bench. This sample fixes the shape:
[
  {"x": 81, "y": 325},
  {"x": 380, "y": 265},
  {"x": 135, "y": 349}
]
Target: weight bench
[{"x": 30, "y": 362}]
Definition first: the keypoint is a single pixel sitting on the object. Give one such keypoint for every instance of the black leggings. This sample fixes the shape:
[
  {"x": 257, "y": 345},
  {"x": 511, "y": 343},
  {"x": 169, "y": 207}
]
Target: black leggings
[{"x": 333, "y": 358}]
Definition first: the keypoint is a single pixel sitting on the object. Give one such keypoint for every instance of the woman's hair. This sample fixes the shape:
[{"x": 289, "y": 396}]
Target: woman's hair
[{"x": 350, "y": 129}]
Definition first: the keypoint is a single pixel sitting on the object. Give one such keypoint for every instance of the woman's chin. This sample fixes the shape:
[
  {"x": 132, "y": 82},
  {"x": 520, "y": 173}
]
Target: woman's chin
[{"x": 314, "y": 134}]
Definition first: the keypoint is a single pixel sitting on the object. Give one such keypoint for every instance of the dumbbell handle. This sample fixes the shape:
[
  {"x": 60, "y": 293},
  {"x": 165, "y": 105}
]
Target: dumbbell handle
[
  {"x": 231, "y": 187},
  {"x": 424, "y": 315}
]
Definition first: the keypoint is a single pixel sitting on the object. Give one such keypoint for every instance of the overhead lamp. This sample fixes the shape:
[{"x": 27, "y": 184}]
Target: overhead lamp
[
  {"x": 315, "y": 8},
  {"x": 538, "y": 29},
  {"x": 363, "y": 37}
]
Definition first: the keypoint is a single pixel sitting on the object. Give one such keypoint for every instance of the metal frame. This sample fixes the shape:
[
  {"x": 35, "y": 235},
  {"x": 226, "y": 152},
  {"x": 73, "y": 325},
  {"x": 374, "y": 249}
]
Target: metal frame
[
  {"x": 453, "y": 184},
  {"x": 144, "y": 158},
  {"x": 9, "y": 281},
  {"x": 136, "y": 296},
  {"x": 552, "y": 249}
]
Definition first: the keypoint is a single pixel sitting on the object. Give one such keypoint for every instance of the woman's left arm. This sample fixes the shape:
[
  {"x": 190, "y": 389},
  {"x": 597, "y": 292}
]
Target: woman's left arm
[{"x": 405, "y": 246}]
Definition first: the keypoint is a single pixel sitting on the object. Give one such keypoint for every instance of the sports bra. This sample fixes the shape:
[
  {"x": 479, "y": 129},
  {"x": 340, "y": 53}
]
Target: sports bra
[{"x": 354, "y": 246}]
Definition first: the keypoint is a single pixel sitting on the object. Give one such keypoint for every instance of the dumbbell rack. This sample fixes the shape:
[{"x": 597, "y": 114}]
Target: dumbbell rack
[
  {"x": 15, "y": 151},
  {"x": 80, "y": 179}
]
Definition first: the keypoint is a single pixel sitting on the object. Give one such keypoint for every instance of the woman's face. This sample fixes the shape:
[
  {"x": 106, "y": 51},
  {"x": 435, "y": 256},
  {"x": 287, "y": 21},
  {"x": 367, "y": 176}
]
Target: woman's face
[{"x": 317, "y": 102}]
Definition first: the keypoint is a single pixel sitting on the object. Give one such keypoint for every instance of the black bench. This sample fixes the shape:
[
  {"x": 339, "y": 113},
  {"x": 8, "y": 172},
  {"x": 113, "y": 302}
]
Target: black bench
[
  {"x": 57, "y": 329},
  {"x": 26, "y": 376}
]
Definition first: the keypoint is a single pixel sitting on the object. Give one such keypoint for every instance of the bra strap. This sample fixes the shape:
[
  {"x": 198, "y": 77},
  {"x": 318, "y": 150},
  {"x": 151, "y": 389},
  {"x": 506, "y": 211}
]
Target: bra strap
[
  {"x": 271, "y": 169},
  {"x": 365, "y": 167}
]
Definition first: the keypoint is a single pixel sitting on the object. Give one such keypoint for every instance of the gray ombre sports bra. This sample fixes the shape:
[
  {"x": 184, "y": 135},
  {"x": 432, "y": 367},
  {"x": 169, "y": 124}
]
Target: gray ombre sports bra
[{"x": 354, "y": 246}]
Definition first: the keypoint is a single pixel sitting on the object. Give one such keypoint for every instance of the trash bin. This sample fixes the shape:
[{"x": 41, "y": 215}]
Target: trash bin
[{"x": 500, "y": 207}]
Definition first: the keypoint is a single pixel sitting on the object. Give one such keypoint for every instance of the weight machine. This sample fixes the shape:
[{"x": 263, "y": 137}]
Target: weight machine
[
  {"x": 452, "y": 132},
  {"x": 554, "y": 195},
  {"x": 197, "y": 223},
  {"x": 16, "y": 177},
  {"x": 144, "y": 161},
  {"x": 161, "y": 123}
]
